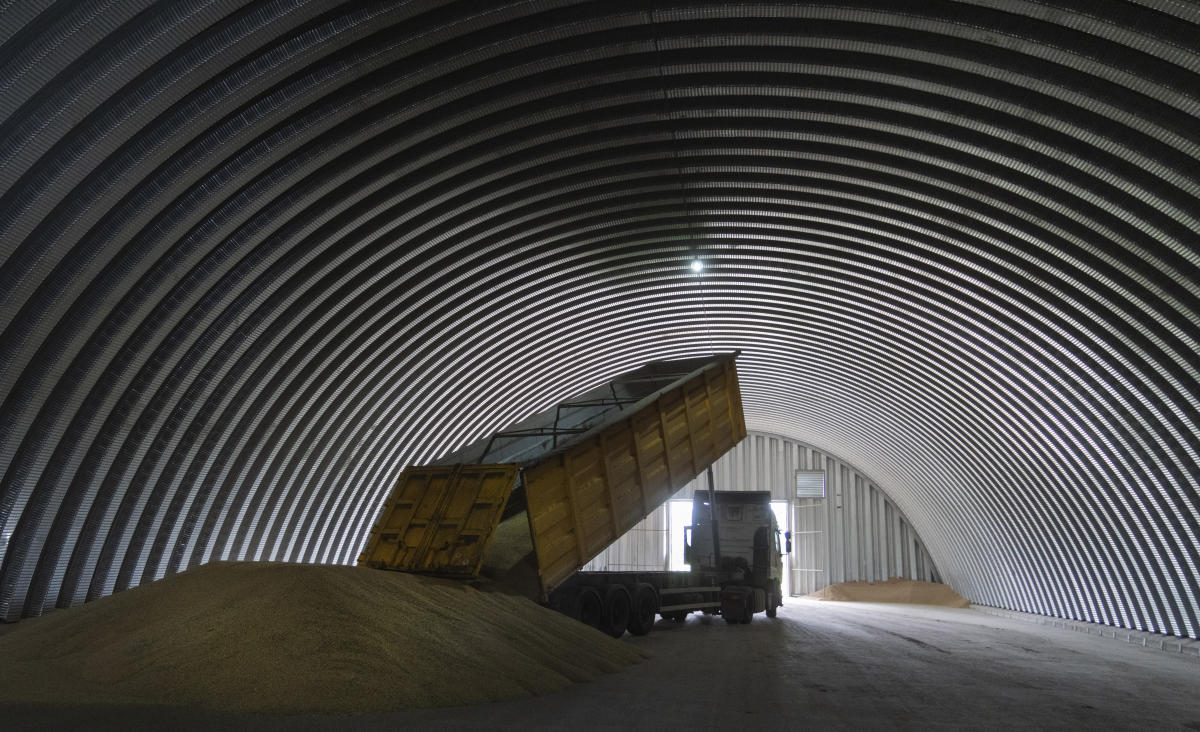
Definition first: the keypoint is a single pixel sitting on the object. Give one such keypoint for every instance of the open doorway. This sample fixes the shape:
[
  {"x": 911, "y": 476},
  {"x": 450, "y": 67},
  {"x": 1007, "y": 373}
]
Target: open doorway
[
  {"x": 679, "y": 516},
  {"x": 783, "y": 512}
]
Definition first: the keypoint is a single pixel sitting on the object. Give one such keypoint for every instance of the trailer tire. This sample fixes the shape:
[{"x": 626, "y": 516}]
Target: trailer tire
[
  {"x": 588, "y": 607},
  {"x": 618, "y": 607},
  {"x": 644, "y": 608}
]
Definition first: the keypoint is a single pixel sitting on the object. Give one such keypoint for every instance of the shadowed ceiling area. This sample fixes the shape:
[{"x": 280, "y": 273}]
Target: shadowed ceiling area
[{"x": 258, "y": 257}]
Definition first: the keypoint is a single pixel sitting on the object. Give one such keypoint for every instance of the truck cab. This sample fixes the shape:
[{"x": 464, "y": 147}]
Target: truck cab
[{"x": 735, "y": 538}]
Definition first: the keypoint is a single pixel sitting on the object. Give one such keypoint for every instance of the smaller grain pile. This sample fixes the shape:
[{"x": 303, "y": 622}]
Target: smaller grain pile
[
  {"x": 260, "y": 637},
  {"x": 893, "y": 590}
]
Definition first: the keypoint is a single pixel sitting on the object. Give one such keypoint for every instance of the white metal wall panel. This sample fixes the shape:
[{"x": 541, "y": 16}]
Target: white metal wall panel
[
  {"x": 833, "y": 541},
  {"x": 641, "y": 549}
]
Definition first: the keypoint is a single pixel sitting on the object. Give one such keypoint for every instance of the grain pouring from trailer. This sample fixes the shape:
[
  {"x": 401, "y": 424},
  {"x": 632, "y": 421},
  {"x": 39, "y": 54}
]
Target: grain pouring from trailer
[{"x": 533, "y": 503}]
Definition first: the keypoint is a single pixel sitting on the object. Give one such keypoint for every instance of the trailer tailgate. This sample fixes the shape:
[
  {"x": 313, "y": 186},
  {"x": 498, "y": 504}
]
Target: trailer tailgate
[{"x": 439, "y": 519}]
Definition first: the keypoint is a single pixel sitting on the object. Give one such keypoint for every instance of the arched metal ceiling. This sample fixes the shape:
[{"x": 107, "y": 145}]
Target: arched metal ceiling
[{"x": 259, "y": 256}]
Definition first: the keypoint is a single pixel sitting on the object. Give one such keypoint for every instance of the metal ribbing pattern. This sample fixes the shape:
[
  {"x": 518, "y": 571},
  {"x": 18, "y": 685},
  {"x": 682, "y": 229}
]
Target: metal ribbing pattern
[
  {"x": 258, "y": 257},
  {"x": 854, "y": 534}
]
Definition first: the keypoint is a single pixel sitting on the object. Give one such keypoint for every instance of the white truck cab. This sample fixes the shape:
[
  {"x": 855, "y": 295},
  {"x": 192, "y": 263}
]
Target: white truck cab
[{"x": 734, "y": 534}]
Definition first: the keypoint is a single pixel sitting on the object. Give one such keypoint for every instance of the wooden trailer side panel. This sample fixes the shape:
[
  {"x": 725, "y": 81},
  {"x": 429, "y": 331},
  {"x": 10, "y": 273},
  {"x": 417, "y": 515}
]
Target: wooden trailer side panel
[{"x": 583, "y": 499}]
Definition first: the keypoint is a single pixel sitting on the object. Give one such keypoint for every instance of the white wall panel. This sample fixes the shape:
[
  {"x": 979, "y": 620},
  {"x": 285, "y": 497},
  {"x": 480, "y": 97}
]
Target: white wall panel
[{"x": 856, "y": 533}]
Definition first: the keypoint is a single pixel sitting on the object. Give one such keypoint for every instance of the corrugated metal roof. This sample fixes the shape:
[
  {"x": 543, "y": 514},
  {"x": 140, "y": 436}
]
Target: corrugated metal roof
[{"x": 257, "y": 257}]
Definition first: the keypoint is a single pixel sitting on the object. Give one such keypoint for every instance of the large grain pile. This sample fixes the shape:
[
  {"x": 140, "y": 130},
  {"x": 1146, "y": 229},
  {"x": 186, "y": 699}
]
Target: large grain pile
[
  {"x": 893, "y": 590},
  {"x": 301, "y": 638}
]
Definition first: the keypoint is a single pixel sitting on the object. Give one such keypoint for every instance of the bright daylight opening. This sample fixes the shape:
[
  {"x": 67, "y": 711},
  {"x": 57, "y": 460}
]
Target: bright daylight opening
[
  {"x": 679, "y": 516},
  {"x": 781, "y": 511}
]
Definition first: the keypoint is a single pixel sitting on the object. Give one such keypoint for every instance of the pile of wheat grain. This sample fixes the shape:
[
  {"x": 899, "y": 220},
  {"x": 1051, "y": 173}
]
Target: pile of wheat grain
[
  {"x": 893, "y": 590},
  {"x": 262, "y": 637}
]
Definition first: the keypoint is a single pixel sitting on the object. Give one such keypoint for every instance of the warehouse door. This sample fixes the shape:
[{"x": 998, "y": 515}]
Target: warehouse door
[
  {"x": 679, "y": 516},
  {"x": 808, "y": 546},
  {"x": 783, "y": 512}
]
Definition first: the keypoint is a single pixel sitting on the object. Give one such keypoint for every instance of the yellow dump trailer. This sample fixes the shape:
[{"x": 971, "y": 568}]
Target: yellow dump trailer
[
  {"x": 584, "y": 472},
  {"x": 584, "y": 497}
]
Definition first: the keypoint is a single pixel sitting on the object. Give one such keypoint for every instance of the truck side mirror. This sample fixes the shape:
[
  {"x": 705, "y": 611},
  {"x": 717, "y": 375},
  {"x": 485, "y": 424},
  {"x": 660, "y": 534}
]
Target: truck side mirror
[{"x": 788, "y": 535}]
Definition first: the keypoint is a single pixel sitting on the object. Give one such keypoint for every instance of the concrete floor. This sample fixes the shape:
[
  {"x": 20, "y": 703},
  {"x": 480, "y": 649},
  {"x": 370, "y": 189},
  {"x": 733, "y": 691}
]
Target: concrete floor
[{"x": 842, "y": 666}]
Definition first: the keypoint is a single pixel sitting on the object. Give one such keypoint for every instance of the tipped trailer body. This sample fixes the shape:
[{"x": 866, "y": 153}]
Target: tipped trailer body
[{"x": 533, "y": 503}]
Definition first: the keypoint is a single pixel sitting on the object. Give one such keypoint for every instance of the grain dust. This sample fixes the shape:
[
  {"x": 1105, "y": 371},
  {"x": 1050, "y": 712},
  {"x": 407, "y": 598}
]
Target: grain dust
[
  {"x": 290, "y": 638},
  {"x": 893, "y": 590}
]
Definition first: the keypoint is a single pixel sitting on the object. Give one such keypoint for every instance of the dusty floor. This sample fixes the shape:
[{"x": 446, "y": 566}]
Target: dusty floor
[{"x": 820, "y": 665}]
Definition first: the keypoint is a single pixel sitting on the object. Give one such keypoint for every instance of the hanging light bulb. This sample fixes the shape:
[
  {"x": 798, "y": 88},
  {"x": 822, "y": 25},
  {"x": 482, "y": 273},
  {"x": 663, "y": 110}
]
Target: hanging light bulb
[{"x": 697, "y": 266}]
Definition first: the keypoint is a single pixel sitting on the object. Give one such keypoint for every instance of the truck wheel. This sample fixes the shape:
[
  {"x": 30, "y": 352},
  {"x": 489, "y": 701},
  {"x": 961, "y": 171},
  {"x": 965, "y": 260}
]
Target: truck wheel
[
  {"x": 748, "y": 615},
  {"x": 617, "y": 607},
  {"x": 645, "y": 606},
  {"x": 588, "y": 607}
]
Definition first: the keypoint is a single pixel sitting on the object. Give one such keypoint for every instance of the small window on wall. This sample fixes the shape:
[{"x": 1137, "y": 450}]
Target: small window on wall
[{"x": 810, "y": 484}]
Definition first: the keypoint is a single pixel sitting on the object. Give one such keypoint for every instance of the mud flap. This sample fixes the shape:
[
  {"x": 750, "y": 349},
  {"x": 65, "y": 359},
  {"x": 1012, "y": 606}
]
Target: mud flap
[
  {"x": 734, "y": 602},
  {"x": 760, "y": 600}
]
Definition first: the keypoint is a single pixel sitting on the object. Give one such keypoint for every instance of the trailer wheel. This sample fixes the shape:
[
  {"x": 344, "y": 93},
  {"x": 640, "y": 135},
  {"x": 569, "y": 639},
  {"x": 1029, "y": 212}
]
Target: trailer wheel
[
  {"x": 588, "y": 607},
  {"x": 617, "y": 609},
  {"x": 645, "y": 606}
]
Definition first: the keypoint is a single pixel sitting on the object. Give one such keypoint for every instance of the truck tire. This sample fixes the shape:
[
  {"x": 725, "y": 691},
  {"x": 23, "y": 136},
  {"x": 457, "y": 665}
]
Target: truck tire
[
  {"x": 588, "y": 607},
  {"x": 645, "y": 607},
  {"x": 617, "y": 609}
]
